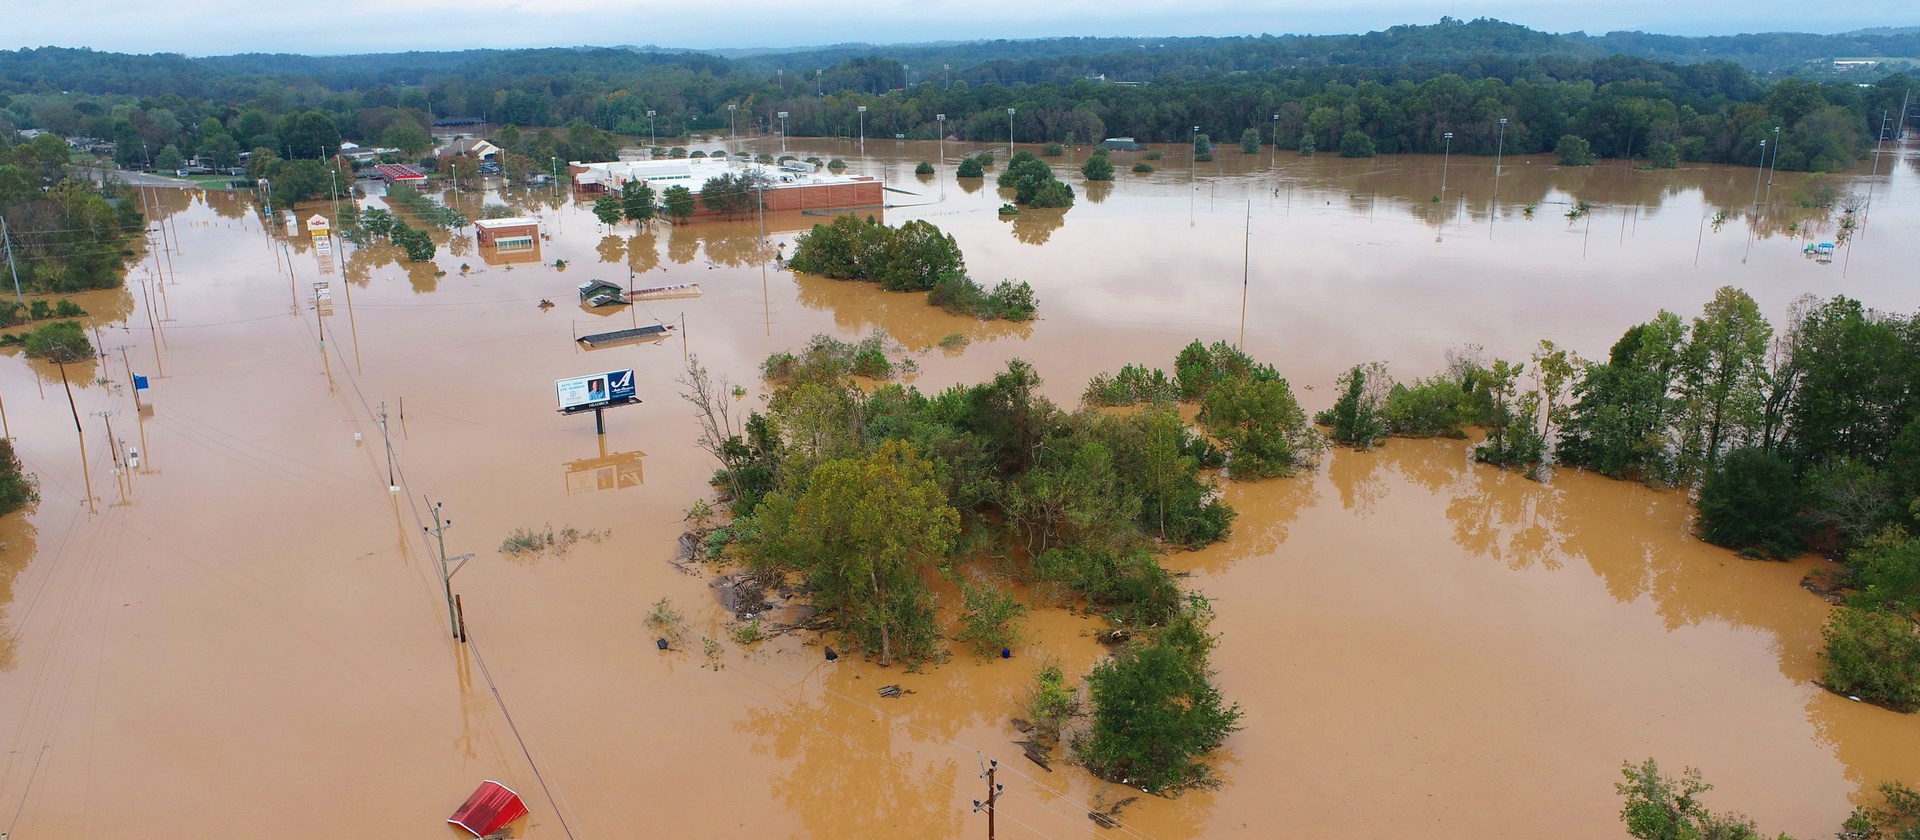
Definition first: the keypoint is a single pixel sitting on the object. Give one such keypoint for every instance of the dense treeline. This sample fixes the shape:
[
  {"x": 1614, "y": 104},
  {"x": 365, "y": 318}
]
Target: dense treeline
[
  {"x": 871, "y": 495},
  {"x": 68, "y": 234},
  {"x": 914, "y": 257},
  {"x": 1401, "y": 90},
  {"x": 1803, "y": 438}
]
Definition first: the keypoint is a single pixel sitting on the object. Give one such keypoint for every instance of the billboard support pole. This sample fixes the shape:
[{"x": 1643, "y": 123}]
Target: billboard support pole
[{"x": 600, "y": 422}]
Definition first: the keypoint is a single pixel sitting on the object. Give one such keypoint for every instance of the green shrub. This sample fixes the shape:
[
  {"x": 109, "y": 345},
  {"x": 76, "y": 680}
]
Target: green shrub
[
  {"x": 1750, "y": 501},
  {"x": 1250, "y": 141},
  {"x": 17, "y": 487},
  {"x": 1142, "y": 168},
  {"x": 1156, "y": 154},
  {"x": 1262, "y": 426},
  {"x": 1052, "y": 150},
  {"x": 1357, "y": 418},
  {"x": 990, "y": 617},
  {"x": 1356, "y": 144},
  {"x": 1873, "y": 655},
  {"x": 924, "y": 168},
  {"x": 1886, "y": 571},
  {"x": 1156, "y": 713},
  {"x": 1435, "y": 407},
  {"x": 1098, "y": 168},
  {"x": 970, "y": 168},
  {"x": 1134, "y": 384},
  {"x": 1574, "y": 151},
  {"x": 1663, "y": 155}
]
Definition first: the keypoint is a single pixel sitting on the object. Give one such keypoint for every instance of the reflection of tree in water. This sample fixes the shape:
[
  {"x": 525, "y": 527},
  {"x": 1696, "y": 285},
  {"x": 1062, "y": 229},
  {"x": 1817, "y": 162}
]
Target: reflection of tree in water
[
  {"x": 643, "y": 251},
  {"x": 18, "y": 541},
  {"x": 971, "y": 185},
  {"x": 1358, "y": 477},
  {"x": 736, "y": 245},
  {"x": 682, "y": 243},
  {"x": 230, "y": 205},
  {"x": 844, "y": 776},
  {"x": 612, "y": 249},
  {"x": 1265, "y": 510},
  {"x": 1035, "y": 227},
  {"x": 1505, "y": 516},
  {"x": 459, "y": 245},
  {"x": 858, "y": 307},
  {"x": 1097, "y": 191},
  {"x": 423, "y": 277}
]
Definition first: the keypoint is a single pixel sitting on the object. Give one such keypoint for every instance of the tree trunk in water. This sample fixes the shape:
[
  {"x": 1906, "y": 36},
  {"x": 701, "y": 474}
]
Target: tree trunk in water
[{"x": 886, "y": 640}]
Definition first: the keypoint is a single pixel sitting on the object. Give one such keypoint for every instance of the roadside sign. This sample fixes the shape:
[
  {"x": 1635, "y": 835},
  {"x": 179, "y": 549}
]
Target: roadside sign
[{"x": 600, "y": 389}]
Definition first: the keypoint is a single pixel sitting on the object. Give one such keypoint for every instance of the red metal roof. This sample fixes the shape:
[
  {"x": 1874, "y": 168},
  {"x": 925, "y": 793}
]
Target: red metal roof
[
  {"x": 399, "y": 172},
  {"x": 491, "y": 806}
]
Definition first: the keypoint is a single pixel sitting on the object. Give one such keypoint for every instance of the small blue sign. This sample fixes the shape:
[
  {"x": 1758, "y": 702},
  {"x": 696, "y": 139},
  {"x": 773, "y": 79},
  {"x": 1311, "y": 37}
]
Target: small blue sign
[{"x": 140, "y": 382}]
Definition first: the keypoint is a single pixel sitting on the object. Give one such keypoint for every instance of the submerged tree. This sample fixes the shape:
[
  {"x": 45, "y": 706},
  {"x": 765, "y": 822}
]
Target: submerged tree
[{"x": 867, "y": 532}]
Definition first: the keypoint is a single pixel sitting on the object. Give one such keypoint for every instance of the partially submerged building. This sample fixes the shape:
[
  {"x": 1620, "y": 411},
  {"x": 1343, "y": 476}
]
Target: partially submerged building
[{"x": 795, "y": 185}]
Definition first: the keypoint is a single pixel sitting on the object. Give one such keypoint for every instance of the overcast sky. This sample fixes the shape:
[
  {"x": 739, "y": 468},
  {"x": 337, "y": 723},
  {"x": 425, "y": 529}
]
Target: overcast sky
[{"x": 218, "y": 27}]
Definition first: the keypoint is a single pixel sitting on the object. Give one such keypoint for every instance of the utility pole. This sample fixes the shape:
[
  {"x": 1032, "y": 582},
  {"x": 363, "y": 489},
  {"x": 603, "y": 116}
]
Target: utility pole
[
  {"x": 8, "y": 238},
  {"x": 439, "y": 531},
  {"x": 391, "y": 486},
  {"x": 131, "y": 385},
  {"x": 993, "y": 795}
]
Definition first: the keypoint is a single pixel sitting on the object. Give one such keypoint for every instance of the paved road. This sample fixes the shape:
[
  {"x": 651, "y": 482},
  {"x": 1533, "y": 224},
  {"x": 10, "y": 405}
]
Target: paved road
[{"x": 143, "y": 179}]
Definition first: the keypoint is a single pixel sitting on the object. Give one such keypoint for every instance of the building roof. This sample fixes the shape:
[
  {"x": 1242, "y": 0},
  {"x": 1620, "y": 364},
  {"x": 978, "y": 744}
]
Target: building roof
[
  {"x": 496, "y": 224},
  {"x": 399, "y": 172},
  {"x": 693, "y": 173},
  {"x": 464, "y": 145},
  {"x": 490, "y": 807}
]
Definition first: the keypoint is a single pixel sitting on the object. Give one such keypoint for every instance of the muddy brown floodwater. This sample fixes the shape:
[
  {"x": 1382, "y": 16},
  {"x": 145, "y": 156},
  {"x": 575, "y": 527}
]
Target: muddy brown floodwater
[{"x": 245, "y": 633}]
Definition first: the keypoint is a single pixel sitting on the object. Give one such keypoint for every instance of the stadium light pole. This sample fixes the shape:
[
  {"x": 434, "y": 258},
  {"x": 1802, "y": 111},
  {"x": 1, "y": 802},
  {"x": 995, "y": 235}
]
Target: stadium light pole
[
  {"x": 783, "y": 132},
  {"x": 732, "y": 110},
  {"x": 654, "y": 136},
  {"x": 863, "y": 128},
  {"x": 1499, "y": 150},
  {"x": 1009, "y": 133},
  {"x": 1273, "y": 158},
  {"x": 1445, "y": 157},
  {"x": 1771, "y": 167},
  {"x": 941, "y": 119},
  {"x": 1193, "y": 157},
  {"x": 1758, "y": 172}
]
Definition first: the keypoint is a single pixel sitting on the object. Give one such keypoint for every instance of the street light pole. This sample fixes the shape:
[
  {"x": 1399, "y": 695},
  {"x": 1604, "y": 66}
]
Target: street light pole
[
  {"x": 1445, "y": 157},
  {"x": 783, "y": 132},
  {"x": 1273, "y": 158},
  {"x": 1499, "y": 151},
  {"x": 1009, "y": 133},
  {"x": 1759, "y": 171},
  {"x": 1193, "y": 156},
  {"x": 731, "y": 111},
  {"x": 653, "y": 135},
  {"x": 941, "y": 119},
  {"x": 863, "y": 128},
  {"x": 1775, "y": 165}
]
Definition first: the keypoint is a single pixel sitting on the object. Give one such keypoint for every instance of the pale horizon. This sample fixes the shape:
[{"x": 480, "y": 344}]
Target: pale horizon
[{"x": 226, "y": 27}]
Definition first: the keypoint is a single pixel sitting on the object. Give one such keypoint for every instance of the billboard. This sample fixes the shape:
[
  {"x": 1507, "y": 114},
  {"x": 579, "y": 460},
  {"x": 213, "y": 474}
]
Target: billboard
[{"x": 582, "y": 392}]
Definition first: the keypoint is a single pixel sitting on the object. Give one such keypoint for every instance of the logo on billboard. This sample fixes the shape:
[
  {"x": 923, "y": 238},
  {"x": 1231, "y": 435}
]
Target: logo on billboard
[{"x": 600, "y": 389}]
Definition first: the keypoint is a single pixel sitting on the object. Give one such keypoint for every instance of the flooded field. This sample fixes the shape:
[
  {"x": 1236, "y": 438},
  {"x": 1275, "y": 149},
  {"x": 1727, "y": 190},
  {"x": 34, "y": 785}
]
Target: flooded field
[{"x": 247, "y": 629}]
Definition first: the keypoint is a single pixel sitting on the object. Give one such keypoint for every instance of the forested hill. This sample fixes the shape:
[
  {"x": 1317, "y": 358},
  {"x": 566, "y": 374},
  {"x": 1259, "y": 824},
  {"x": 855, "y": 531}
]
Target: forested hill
[{"x": 1447, "y": 43}]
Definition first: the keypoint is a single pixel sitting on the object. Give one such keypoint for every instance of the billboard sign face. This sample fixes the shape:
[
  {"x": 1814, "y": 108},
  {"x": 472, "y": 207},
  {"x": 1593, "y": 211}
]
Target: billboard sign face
[{"x": 599, "y": 389}]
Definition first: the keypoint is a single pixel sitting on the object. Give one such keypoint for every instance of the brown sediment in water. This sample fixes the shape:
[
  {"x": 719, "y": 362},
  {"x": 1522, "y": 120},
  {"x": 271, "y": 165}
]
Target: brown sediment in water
[{"x": 1422, "y": 645}]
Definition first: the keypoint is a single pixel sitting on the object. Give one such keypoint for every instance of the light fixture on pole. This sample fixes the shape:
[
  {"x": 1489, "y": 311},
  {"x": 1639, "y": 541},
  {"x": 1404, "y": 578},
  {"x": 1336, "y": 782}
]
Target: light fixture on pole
[
  {"x": 783, "y": 132},
  {"x": 1445, "y": 157},
  {"x": 655, "y": 136},
  {"x": 1009, "y": 132},
  {"x": 863, "y": 128}
]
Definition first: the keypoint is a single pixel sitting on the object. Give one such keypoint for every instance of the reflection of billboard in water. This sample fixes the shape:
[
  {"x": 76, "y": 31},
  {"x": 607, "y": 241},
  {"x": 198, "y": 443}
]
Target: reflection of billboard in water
[
  {"x": 598, "y": 389},
  {"x": 511, "y": 253},
  {"x": 612, "y": 472}
]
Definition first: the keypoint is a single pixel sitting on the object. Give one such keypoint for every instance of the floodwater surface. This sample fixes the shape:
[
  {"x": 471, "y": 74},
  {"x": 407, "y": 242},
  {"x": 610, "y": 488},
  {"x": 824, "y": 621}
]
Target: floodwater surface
[{"x": 245, "y": 632}]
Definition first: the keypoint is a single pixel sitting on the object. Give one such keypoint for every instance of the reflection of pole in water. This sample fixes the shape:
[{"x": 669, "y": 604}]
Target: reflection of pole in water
[
  {"x": 766, "y": 299},
  {"x": 353, "y": 326},
  {"x": 1702, "y": 240},
  {"x": 1246, "y": 272}
]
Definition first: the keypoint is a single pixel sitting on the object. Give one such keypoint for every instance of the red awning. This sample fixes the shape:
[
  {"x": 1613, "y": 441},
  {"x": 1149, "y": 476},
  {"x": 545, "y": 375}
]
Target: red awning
[{"x": 491, "y": 806}]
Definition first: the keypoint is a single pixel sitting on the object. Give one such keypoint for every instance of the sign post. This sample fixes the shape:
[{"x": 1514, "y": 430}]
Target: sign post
[{"x": 596, "y": 393}]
